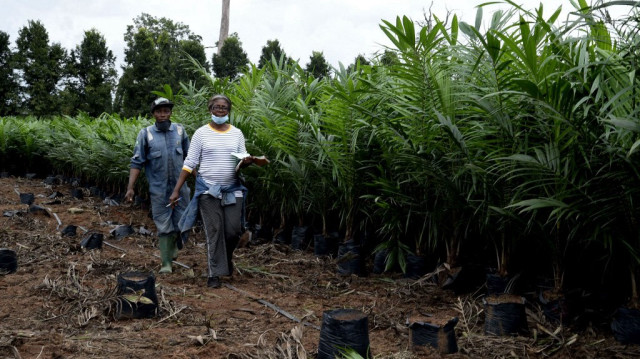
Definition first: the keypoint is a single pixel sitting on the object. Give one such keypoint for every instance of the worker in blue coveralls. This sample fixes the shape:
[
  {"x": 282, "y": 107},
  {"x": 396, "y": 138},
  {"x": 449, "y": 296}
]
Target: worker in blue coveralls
[{"x": 161, "y": 149}]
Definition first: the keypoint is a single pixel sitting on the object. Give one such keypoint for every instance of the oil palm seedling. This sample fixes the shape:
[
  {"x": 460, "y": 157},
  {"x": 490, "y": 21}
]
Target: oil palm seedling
[
  {"x": 574, "y": 176},
  {"x": 505, "y": 56},
  {"x": 345, "y": 135},
  {"x": 276, "y": 119},
  {"x": 8, "y": 126},
  {"x": 95, "y": 149},
  {"x": 429, "y": 150},
  {"x": 31, "y": 135}
]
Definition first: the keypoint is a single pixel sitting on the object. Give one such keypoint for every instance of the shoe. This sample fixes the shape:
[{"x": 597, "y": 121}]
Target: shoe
[{"x": 213, "y": 282}]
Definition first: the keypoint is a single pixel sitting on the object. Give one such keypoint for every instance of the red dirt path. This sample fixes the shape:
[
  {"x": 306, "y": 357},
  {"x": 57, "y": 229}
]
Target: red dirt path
[{"x": 58, "y": 303}]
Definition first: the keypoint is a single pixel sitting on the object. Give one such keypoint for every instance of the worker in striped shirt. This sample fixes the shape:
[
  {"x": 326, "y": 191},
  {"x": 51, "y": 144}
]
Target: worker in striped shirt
[{"x": 219, "y": 195}]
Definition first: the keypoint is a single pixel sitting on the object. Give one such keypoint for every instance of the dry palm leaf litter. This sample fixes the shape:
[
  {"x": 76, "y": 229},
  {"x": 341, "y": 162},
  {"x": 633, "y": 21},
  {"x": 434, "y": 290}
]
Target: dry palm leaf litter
[{"x": 62, "y": 300}]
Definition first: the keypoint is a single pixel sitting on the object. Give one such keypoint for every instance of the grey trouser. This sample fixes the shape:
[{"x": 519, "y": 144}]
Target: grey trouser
[{"x": 222, "y": 227}]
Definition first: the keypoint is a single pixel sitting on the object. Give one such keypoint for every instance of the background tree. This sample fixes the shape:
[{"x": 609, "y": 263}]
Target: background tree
[
  {"x": 140, "y": 76},
  {"x": 232, "y": 59},
  {"x": 69, "y": 97},
  {"x": 388, "y": 58},
  {"x": 271, "y": 50},
  {"x": 186, "y": 72},
  {"x": 40, "y": 68},
  {"x": 8, "y": 84},
  {"x": 361, "y": 60},
  {"x": 155, "y": 55},
  {"x": 318, "y": 66},
  {"x": 93, "y": 74}
]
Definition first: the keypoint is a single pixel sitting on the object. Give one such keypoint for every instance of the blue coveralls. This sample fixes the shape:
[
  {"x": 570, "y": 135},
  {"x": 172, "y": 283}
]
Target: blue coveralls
[{"x": 161, "y": 154}]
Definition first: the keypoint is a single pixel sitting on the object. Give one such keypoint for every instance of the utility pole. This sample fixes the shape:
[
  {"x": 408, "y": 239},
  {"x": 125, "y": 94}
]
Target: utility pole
[{"x": 224, "y": 24}]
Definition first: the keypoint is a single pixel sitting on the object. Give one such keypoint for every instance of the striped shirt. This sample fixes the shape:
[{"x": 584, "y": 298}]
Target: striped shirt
[{"x": 210, "y": 151}]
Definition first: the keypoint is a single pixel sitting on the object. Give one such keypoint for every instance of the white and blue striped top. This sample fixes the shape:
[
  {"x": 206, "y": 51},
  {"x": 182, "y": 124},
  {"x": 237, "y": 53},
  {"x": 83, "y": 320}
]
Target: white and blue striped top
[{"x": 210, "y": 151}]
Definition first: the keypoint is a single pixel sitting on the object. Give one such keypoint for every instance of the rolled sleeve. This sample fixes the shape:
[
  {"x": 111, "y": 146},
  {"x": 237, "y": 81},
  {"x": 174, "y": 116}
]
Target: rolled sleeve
[{"x": 193, "y": 153}]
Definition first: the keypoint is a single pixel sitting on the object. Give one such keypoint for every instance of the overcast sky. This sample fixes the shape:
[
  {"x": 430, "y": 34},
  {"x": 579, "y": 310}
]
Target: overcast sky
[{"x": 341, "y": 29}]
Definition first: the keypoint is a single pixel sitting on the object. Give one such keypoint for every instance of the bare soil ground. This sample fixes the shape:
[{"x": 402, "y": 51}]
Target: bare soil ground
[{"x": 61, "y": 301}]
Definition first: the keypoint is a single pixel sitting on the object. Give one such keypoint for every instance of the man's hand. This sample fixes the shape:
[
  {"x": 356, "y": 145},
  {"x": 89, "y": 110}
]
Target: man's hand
[
  {"x": 129, "y": 195},
  {"x": 133, "y": 177}
]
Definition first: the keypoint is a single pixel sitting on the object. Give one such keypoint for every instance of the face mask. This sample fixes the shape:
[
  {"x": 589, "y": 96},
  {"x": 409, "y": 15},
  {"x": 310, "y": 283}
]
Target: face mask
[
  {"x": 163, "y": 126},
  {"x": 220, "y": 120}
]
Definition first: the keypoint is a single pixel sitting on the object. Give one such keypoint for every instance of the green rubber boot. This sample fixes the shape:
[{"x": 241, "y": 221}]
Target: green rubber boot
[
  {"x": 166, "y": 244},
  {"x": 174, "y": 253}
]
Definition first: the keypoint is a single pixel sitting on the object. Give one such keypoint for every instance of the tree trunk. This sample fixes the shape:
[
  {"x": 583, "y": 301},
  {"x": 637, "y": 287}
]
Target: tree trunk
[{"x": 224, "y": 24}]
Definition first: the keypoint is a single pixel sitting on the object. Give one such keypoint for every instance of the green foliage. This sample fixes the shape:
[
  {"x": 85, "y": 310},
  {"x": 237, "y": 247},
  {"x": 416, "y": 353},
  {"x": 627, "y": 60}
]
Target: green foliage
[
  {"x": 22, "y": 144},
  {"x": 272, "y": 50},
  {"x": 388, "y": 58},
  {"x": 232, "y": 59},
  {"x": 359, "y": 61},
  {"x": 142, "y": 74},
  {"x": 41, "y": 69},
  {"x": 92, "y": 76},
  {"x": 97, "y": 149},
  {"x": 9, "y": 141},
  {"x": 268, "y": 107},
  {"x": 427, "y": 178},
  {"x": 318, "y": 66},
  {"x": 349, "y": 353},
  {"x": 8, "y": 84},
  {"x": 192, "y": 50},
  {"x": 158, "y": 52}
]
